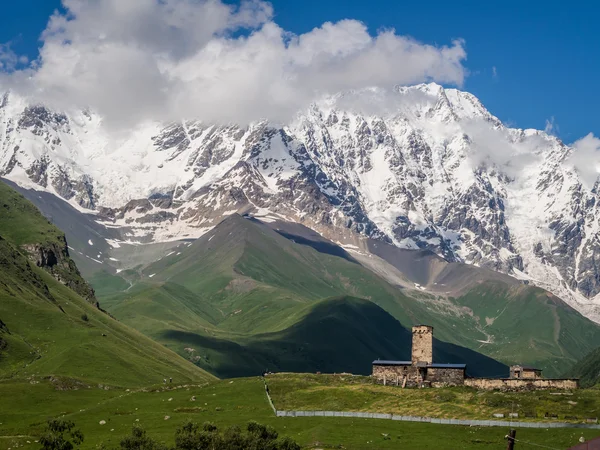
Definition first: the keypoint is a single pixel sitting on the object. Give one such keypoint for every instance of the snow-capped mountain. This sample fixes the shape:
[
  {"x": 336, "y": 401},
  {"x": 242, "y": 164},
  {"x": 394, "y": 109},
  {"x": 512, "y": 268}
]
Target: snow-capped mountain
[{"x": 419, "y": 167}]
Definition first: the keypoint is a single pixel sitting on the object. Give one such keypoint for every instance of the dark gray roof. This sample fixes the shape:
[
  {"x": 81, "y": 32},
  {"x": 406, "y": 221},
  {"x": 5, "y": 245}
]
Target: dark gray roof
[
  {"x": 383, "y": 362},
  {"x": 447, "y": 366}
]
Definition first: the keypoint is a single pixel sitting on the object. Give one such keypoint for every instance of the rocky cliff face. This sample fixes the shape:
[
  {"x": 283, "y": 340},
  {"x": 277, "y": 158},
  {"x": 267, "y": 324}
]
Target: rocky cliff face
[
  {"x": 21, "y": 272},
  {"x": 420, "y": 167},
  {"x": 55, "y": 259}
]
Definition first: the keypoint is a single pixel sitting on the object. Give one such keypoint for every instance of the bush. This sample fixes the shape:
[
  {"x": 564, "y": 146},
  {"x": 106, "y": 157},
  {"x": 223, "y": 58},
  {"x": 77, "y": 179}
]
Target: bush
[
  {"x": 85, "y": 318},
  {"x": 138, "y": 440},
  {"x": 61, "y": 435},
  {"x": 256, "y": 437}
]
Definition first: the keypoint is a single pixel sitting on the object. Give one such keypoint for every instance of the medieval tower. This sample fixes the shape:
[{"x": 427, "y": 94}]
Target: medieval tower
[{"x": 422, "y": 344}]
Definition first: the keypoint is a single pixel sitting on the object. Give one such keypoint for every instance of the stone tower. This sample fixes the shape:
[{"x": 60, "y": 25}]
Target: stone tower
[{"x": 422, "y": 344}]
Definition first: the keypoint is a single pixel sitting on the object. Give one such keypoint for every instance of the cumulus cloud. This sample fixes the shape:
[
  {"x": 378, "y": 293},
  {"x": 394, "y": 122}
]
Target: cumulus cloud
[
  {"x": 586, "y": 159},
  {"x": 172, "y": 59}
]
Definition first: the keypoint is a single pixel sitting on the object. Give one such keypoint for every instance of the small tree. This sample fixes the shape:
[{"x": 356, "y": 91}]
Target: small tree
[
  {"x": 256, "y": 437},
  {"x": 61, "y": 435},
  {"x": 191, "y": 437},
  {"x": 138, "y": 440}
]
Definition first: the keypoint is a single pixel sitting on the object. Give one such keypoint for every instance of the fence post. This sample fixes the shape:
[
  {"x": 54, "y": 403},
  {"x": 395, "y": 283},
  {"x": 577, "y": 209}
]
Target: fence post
[{"x": 511, "y": 439}]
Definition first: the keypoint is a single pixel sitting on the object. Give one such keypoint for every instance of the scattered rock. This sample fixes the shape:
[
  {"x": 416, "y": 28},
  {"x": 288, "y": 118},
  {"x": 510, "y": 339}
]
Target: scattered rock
[
  {"x": 171, "y": 399},
  {"x": 102, "y": 422},
  {"x": 193, "y": 399},
  {"x": 167, "y": 417}
]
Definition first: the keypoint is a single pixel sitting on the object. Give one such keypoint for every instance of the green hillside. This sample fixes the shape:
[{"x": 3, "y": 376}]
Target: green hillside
[
  {"x": 241, "y": 297},
  {"x": 530, "y": 324},
  {"x": 46, "y": 329},
  {"x": 587, "y": 369},
  {"x": 342, "y": 334}
]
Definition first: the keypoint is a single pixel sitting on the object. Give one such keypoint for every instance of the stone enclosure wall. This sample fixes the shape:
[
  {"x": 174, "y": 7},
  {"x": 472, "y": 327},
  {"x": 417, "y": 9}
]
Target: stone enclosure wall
[
  {"x": 394, "y": 375},
  {"x": 437, "y": 377},
  {"x": 440, "y": 377},
  {"x": 521, "y": 384}
]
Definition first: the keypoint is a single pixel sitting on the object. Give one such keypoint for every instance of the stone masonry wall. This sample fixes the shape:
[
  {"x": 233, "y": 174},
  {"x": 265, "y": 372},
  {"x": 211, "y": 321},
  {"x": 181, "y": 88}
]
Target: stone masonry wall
[
  {"x": 422, "y": 344},
  {"x": 437, "y": 377},
  {"x": 394, "y": 375},
  {"x": 440, "y": 377},
  {"x": 520, "y": 384},
  {"x": 531, "y": 374}
]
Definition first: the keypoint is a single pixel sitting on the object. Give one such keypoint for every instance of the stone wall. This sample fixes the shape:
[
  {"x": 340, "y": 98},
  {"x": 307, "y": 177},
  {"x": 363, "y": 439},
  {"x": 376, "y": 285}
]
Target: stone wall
[
  {"x": 422, "y": 344},
  {"x": 535, "y": 374},
  {"x": 440, "y": 377},
  {"x": 395, "y": 375},
  {"x": 437, "y": 377},
  {"x": 515, "y": 384},
  {"x": 518, "y": 371}
]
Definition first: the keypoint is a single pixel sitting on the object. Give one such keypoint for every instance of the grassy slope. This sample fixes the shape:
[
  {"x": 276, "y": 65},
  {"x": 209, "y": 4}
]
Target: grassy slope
[
  {"x": 332, "y": 335},
  {"x": 21, "y": 223},
  {"x": 236, "y": 402},
  {"x": 531, "y": 325},
  {"x": 342, "y": 393},
  {"x": 24, "y": 226},
  {"x": 587, "y": 369},
  {"x": 243, "y": 286},
  {"x": 45, "y": 330}
]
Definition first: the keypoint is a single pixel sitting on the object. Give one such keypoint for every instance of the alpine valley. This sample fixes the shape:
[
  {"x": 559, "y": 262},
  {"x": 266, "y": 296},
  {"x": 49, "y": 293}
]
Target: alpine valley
[{"x": 309, "y": 245}]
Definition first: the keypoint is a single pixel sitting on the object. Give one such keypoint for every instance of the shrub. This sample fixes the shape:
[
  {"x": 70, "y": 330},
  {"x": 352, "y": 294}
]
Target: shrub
[
  {"x": 61, "y": 435},
  {"x": 85, "y": 318},
  {"x": 138, "y": 440},
  {"x": 256, "y": 437}
]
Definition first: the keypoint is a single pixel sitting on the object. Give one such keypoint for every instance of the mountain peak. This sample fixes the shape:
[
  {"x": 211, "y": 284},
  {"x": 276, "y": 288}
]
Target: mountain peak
[{"x": 422, "y": 167}]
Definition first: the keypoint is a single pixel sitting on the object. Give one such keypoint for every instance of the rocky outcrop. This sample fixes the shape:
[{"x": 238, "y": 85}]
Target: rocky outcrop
[
  {"x": 19, "y": 272},
  {"x": 54, "y": 258}
]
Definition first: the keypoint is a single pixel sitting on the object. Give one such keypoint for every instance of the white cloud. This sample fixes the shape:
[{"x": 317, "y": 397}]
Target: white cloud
[
  {"x": 551, "y": 126},
  {"x": 9, "y": 59},
  {"x": 172, "y": 59},
  {"x": 494, "y": 72},
  {"x": 586, "y": 159}
]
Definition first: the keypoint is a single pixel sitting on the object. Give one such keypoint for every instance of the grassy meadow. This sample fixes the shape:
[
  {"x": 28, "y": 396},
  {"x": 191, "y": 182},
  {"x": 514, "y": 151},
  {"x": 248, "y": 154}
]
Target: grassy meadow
[
  {"x": 354, "y": 393},
  {"x": 160, "y": 409}
]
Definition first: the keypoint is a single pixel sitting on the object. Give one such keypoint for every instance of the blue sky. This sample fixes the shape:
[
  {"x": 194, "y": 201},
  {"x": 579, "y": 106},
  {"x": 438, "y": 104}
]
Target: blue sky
[{"x": 528, "y": 61}]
